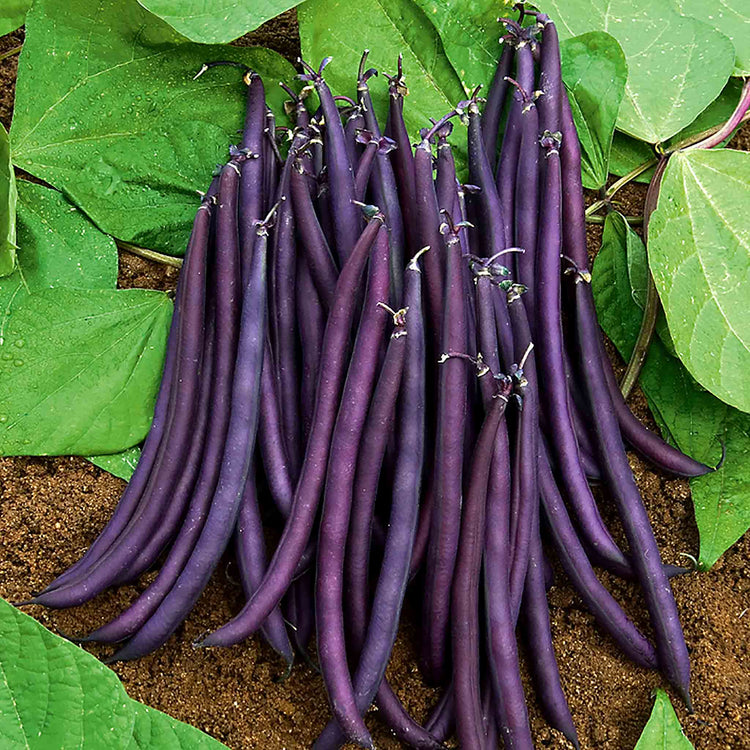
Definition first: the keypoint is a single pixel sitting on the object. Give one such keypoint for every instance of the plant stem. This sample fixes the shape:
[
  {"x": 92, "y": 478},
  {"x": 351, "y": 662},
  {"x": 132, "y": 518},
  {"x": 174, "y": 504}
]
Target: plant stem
[
  {"x": 167, "y": 260},
  {"x": 634, "y": 221},
  {"x": 651, "y": 310},
  {"x": 706, "y": 139},
  {"x": 737, "y": 117},
  {"x": 10, "y": 52},
  {"x": 619, "y": 184}
]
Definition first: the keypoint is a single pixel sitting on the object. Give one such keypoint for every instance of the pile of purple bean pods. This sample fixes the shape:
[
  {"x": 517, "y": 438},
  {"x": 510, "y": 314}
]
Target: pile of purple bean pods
[{"x": 408, "y": 372}]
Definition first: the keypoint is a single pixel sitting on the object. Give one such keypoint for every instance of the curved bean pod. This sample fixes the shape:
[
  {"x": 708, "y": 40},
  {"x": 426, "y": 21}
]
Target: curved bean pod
[
  {"x": 237, "y": 456},
  {"x": 294, "y": 540},
  {"x": 337, "y": 499}
]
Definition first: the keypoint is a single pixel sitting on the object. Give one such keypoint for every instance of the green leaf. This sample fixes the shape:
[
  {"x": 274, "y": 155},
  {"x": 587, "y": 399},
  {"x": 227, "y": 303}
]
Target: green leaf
[
  {"x": 121, "y": 464},
  {"x": 58, "y": 246},
  {"x": 154, "y": 730},
  {"x": 8, "y": 198},
  {"x": 628, "y": 153},
  {"x": 663, "y": 730},
  {"x": 12, "y": 15},
  {"x": 219, "y": 21},
  {"x": 343, "y": 29},
  {"x": 595, "y": 72},
  {"x": 731, "y": 17},
  {"x": 110, "y": 114},
  {"x": 689, "y": 416},
  {"x": 636, "y": 258},
  {"x": 80, "y": 370},
  {"x": 676, "y": 66},
  {"x": 699, "y": 252},
  {"x": 638, "y": 277},
  {"x": 722, "y": 499},
  {"x": 53, "y": 694},
  {"x": 470, "y": 33},
  {"x": 56, "y": 695}
]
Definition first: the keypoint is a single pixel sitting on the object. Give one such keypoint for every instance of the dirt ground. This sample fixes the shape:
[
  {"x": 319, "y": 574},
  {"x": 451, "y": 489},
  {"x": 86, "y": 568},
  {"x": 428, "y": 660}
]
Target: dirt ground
[{"x": 52, "y": 508}]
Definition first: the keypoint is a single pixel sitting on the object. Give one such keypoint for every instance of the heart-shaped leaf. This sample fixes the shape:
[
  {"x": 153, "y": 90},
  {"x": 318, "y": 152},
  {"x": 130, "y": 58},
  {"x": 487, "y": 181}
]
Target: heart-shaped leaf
[
  {"x": 80, "y": 369},
  {"x": 676, "y": 65},
  {"x": 110, "y": 114},
  {"x": 12, "y": 15},
  {"x": 595, "y": 72},
  {"x": 689, "y": 416},
  {"x": 730, "y": 17},
  {"x": 8, "y": 197},
  {"x": 699, "y": 253},
  {"x": 663, "y": 730},
  {"x": 219, "y": 21},
  {"x": 55, "y": 695},
  {"x": 343, "y": 29}
]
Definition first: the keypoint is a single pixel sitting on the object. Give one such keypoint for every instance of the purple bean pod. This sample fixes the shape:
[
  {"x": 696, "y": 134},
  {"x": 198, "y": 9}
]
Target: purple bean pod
[
  {"x": 250, "y": 549},
  {"x": 575, "y": 562},
  {"x": 276, "y": 466},
  {"x": 312, "y": 325},
  {"x": 445, "y": 175},
  {"x": 302, "y": 620},
  {"x": 374, "y": 149},
  {"x": 449, "y": 457},
  {"x": 377, "y": 432},
  {"x": 393, "y": 578},
  {"x": 401, "y": 723},
  {"x": 185, "y": 485},
  {"x": 239, "y": 447},
  {"x": 315, "y": 248},
  {"x": 427, "y": 214},
  {"x": 525, "y": 512},
  {"x": 574, "y": 233},
  {"x": 550, "y": 103},
  {"x": 541, "y": 652},
  {"x": 402, "y": 158},
  {"x": 465, "y": 593},
  {"x": 507, "y": 167},
  {"x": 486, "y": 203},
  {"x": 299, "y": 525},
  {"x": 369, "y": 675},
  {"x": 554, "y": 396},
  {"x": 252, "y": 178},
  {"x": 345, "y": 215},
  {"x": 283, "y": 317},
  {"x": 526, "y": 204},
  {"x": 337, "y": 499},
  {"x": 129, "y": 501},
  {"x": 670, "y": 642},
  {"x": 491, "y": 736},
  {"x": 647, "y": 443},
  {"x": 128, "y": 621},
  {"x": 271, "y": 161},
  {"x": 496, "y": 97},
  {"x": 142, "y": 527},
  {"x": 384, "y": 187},
  {"x": 507, "y": 690}
]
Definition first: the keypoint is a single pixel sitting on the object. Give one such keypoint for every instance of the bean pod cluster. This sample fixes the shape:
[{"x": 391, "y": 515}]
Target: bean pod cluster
[{"x": 407, "y": 371}]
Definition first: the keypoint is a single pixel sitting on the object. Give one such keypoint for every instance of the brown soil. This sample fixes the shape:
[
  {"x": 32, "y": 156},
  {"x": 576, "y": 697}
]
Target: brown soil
[{"x": 52, "y": 508}]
